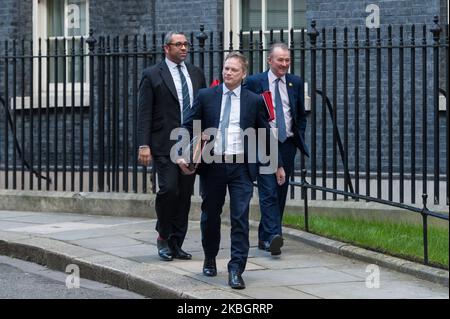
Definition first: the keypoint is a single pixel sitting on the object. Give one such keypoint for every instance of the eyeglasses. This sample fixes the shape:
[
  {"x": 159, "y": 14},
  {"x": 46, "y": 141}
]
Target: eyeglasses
[{"x": 180, "y": 44}]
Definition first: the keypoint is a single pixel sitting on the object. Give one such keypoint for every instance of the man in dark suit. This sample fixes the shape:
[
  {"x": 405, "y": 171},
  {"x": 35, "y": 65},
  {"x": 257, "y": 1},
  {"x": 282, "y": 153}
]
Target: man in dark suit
[
  {"x": 290, "y": 119},
  {"x": 166, "y": 93},
  {"x": 230, "y": 109}
]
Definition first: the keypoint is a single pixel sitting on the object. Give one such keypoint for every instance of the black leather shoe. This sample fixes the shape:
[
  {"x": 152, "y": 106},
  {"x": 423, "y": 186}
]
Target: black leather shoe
[
  {"x": 164, "y": 251},
  {"x": 209, "y": 267},
  {"x": 275, "y": 245},
  {"x": 235, "y": 280},
  {"x": 180, "y": 253},
  {"x": 263, "y": 245}
]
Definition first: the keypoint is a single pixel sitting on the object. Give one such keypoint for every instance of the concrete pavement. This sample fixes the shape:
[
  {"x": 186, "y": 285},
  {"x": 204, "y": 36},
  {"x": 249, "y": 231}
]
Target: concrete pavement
[
  {"x": 121, "y": 251},
  {"x": 24, "y": 280}
]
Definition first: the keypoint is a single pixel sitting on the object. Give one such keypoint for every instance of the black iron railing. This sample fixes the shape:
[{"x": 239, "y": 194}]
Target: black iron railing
[
  {"x": 424, "y": 211},
  {"x": 70, "y": 108}
]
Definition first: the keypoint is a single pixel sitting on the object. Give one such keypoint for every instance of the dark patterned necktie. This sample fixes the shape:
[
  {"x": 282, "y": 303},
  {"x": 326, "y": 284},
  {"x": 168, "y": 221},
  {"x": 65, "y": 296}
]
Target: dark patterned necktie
[
  {"x": 281, "y": 124},
  {"x": 185, "y": 92}
]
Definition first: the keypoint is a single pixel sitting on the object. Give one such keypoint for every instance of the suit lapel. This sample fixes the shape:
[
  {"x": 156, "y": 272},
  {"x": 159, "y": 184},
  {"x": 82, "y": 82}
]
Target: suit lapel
[
  {"x": 290, "y": 90},
  {"x": 168, "y": 80},
  {"x": 265, "y": 82},
  {"x": 195, "y": 83},
  {"x": 217, "y": 105},
  {"x": 242, "y": 108}
]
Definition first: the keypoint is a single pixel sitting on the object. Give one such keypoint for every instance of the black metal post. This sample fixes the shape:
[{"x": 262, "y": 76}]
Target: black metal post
[
  {"x": 145, "y": 64},
  {"x": 292, "y": 56},
  {"x": 356, "y": 113},
  {"x": 14, "y": 128},
  {"x": 64, "y": 117},
  {"x": 47, "y": 115},
  {"x": 335, "y": 112},
  {"x": 324, "y": 112},
  {"x": 91, "y": 41},
  {"x": 55, "y": 118},
  {"x": 135, "y": 107},
  {"x": 436, "y": 38},
  {"x": 302, "y": 74},
  {"x": 424, "y": 110},
  {"x": 101, "y": 116},
  {"x": 390, "y": 115},
  {"x": 125, "y": 117},
  {"x": 413, "y": 116},
  {"x": 201, "y": 37},
  {"x": 72, "y": 116},
  {"x": 447, "y": 85},
  {"x": 31, "y": 128},
  {"x": 401, "y": 118},
  {"x": 261, "y": 51},
  {"x": 211, "y": 57},
  {"x": 305, "y": 199},
  {"x": 81, "y": 172},
  {"x": 6, "y": 148},
  {"x": 379, "y": 155},
  {"x": 367, "y": 70},
  {"x": 345, "y": 57},
  {"x": 22, "y": 128},
  {"x": 425, "y": 229},
  {"x": 313, "y": 34}
]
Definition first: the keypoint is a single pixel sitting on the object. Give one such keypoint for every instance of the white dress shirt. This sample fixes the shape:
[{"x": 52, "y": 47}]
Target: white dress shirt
[
  {"x": 234, "y": 138},
  {"x": 284, "y": 99},
  {"x": 177, "y": 80}
]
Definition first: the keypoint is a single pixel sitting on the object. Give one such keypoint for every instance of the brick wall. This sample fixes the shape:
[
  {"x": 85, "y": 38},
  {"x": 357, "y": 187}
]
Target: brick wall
[
  {"x": 110, "y": 17},
  {"x": 188, "y": 15}
]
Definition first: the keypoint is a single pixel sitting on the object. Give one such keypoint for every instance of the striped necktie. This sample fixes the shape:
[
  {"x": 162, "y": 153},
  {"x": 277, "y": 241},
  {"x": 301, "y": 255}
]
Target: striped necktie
[
  {"x": 185, "y": 92},
  {"x": 281, "y": 124}
]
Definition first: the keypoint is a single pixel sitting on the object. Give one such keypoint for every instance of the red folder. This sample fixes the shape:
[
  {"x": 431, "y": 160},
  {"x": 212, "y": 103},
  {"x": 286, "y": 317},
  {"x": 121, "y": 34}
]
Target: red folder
[{"x": 267, "y": 96}]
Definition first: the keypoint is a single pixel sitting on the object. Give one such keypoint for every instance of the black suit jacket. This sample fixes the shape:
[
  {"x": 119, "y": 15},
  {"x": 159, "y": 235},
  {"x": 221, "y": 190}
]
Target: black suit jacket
[
  {"x": 159, "y": 109},
  {"x": 207, "y": 108}
]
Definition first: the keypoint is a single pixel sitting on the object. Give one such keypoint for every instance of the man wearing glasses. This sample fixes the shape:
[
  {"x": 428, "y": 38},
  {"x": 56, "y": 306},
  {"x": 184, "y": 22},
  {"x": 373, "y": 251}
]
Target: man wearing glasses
[{"x": 166, "y": 94}]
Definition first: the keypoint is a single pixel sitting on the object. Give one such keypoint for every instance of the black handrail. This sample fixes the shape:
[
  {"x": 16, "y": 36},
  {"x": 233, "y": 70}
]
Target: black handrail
[
  {"x": 339, "y": 140},
  {"x": 424, "y": 211},
  {"x": 19, "y": 150}
]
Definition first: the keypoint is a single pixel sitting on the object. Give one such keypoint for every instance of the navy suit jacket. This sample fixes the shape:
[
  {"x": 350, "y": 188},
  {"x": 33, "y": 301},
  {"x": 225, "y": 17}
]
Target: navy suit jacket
[
  {"x": 207, "y": 107},
  {"x": 259, "y": 83}
]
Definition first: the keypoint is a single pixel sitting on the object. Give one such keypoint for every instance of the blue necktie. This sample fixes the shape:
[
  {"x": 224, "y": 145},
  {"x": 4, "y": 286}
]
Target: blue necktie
[
  {"x": 281, "y": 124},
  {"x": 226, "y": 120},
  {"x": 185, "y": 92}
]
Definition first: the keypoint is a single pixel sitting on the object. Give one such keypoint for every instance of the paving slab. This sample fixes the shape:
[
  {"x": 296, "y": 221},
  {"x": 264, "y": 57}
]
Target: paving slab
[{"x": 388, "y": 289}]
